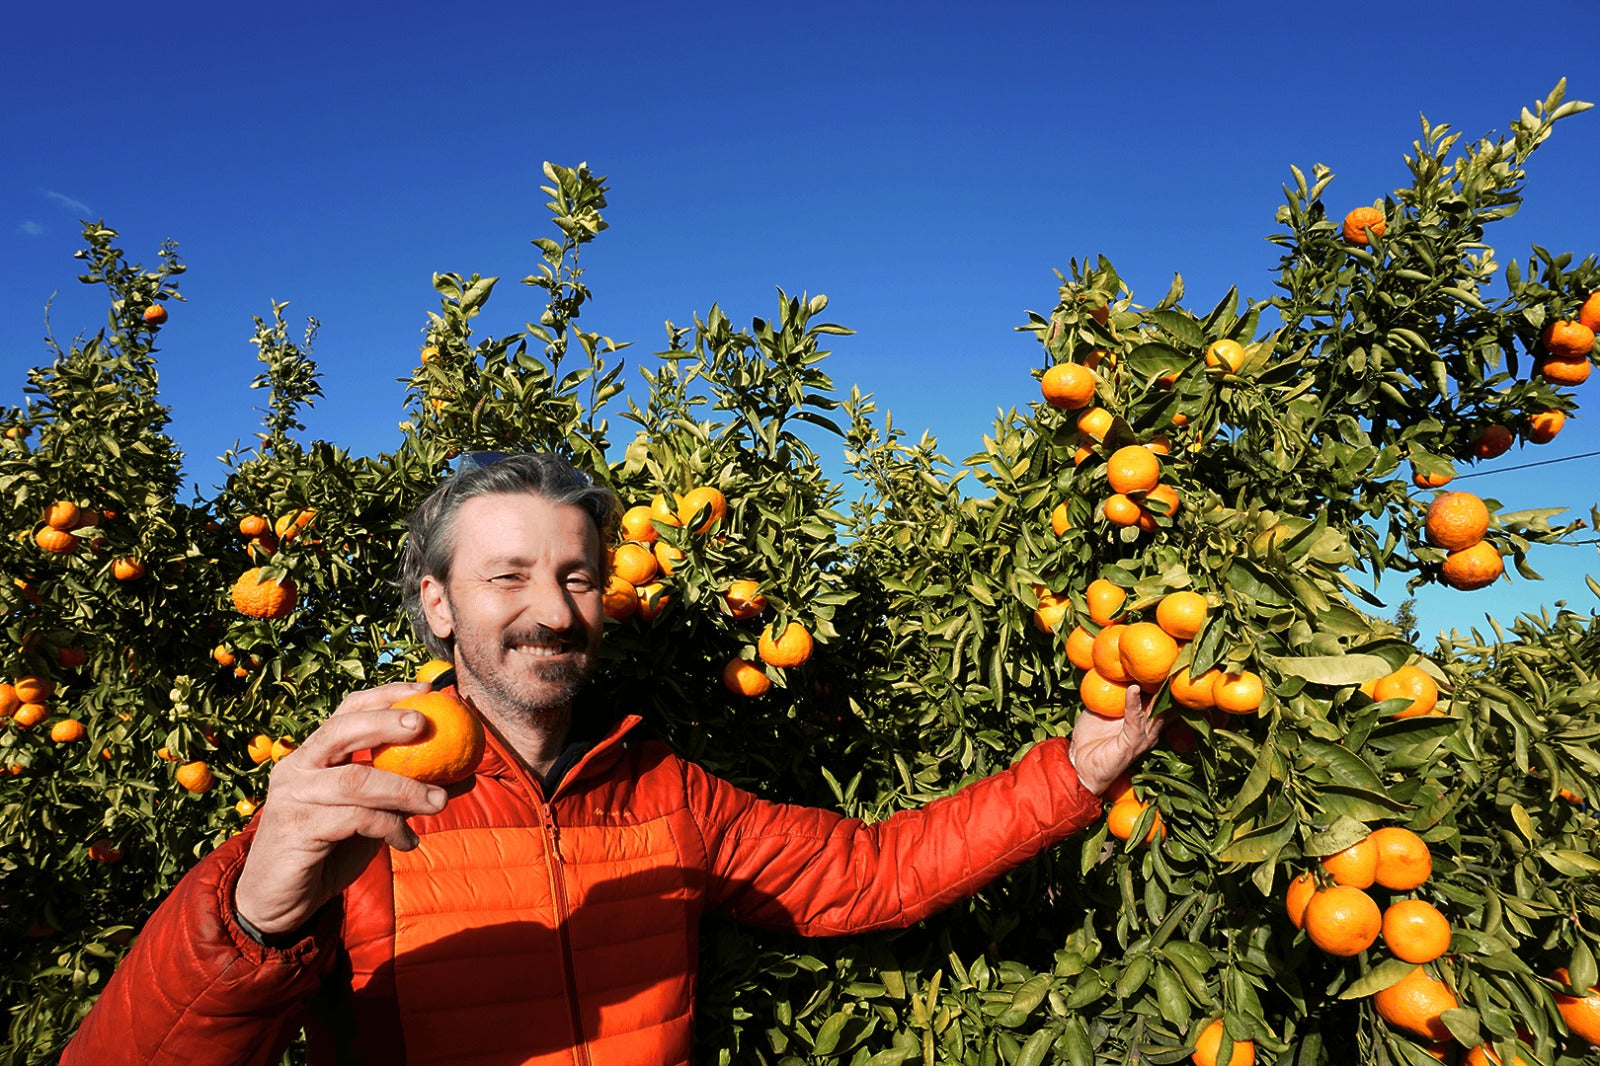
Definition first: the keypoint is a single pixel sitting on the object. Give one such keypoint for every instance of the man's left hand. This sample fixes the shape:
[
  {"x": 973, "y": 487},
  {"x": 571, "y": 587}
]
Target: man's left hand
[{"x": 1104, "y": 747}]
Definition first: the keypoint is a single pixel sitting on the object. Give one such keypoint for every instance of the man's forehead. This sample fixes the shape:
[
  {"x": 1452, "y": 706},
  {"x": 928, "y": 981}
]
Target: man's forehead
[{"x": 484, "y": 523}]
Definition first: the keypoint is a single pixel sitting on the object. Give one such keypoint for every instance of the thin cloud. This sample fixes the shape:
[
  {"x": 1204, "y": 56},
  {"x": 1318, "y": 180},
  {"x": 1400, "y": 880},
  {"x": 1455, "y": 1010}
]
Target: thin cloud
[
  {"x": 69, "y": 203},
  {"x": 31, "y": 228}
]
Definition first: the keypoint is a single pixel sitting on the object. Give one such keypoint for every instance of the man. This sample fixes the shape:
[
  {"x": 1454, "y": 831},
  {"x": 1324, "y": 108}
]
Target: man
[{"x": 546, "y": 909}]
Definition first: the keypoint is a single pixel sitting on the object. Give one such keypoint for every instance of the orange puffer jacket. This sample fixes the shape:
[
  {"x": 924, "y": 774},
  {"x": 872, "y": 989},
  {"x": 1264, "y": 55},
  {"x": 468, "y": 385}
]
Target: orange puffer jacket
[{"x": 527, "y": 929}]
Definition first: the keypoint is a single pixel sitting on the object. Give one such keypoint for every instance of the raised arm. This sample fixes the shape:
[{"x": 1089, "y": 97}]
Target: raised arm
[{"x": 818, "y": 873}]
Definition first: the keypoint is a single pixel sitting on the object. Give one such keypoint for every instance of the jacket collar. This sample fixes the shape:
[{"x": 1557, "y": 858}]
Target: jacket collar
[{"x": 498, "y": 762}]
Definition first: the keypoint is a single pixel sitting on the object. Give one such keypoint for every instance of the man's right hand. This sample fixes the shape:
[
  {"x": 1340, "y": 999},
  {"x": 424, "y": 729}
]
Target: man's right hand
[{"x": 325, "y": 817}]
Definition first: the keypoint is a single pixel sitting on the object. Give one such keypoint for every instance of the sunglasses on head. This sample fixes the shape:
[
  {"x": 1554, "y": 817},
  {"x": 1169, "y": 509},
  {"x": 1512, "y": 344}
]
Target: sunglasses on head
[{"x": 478, "y": 460}]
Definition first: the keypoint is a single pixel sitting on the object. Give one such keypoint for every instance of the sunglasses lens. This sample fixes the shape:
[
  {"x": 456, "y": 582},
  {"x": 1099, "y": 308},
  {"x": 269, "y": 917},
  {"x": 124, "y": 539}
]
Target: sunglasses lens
[{"x": 480, "y": 460}]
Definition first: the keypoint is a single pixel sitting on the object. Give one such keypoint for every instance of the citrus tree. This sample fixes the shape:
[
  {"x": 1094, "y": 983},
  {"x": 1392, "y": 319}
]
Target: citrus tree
[{"x": 1345, "y": 850}]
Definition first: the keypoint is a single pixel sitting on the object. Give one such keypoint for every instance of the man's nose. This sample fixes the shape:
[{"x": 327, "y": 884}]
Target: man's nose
[{"x": 549, "y": 603}]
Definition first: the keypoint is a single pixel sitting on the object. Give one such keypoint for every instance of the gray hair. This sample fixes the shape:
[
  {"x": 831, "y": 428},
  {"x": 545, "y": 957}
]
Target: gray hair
[{"x": 431, "y": 541}]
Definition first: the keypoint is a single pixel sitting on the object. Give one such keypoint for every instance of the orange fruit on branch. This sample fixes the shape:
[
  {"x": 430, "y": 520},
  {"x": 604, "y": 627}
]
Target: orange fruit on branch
[
  {"x": 1581, "y": 1013},
  {"x": 1430, "y": 481},
  {"x": 1456, "y": 520},
  {"x": 1565, "y": 371},
  {"x": 1414, "y": 930},
  {"x": 1342, "y": 920},
  {"x": 664, "y": 509},
  {"x": 1105, "y": 600},
  {"x": 634, "y": 563},
  {"x": 1295, "y": 898},
  {"x": 259, "y": 749},
  {"x": 1147, "y": 653},
  {"x": 668, "y": 557},
  {"x": 1181, "y": 614},
  {"x": 1566, "y": 339},
  {"x": 1414, "y": 1003},
  {"x": 1544, "y": 425},
  {"x": 1238, "y": 693},
  {"x": 29, "y": 715},
  {"x": 1124, "y": 815},
  {"x": 652, "y": 601},
  {"x": 1208, "y": 1050},
  {"x": 1068, "y": 386},
  {"x": 128, "y": 568},
  {"x": 63, "y": 514},
  {"x": 1060, "y": 521},
  {"x": 792, "y": 648},
  {"x": 620, "y": 601},
  {"x": 1096, "y": 422},
  {"x": 745, "y": 678},
  {"x": 449, "y": 748},
  {"x": 1199, "y": 694},
  {"x": 67, "y": 731},
  {"x": 155, "y": 315},
  {"x": 1080, "y": 648},
  {"x": 282, "y": 748},
  {"x": 1051, "y": 612},
  {"x": 1358, "y": 222},
  {"x": 1410, "y": 681},
  {"x": 1107, "y": 654},
  {"x": 1164, "y": 495},
  {"x": 1133, "y": 468},
  {"x": 1104, "y": 697},
  {"x": 1403, "y": 859},
  {"x": 744, "y": 599},
  {"x": 253, "y": 525},
  {"x": 1589, "y": 313},
  {"x": 1491, "y": 442},
  {"x": 1355, "y": 866},
  {"x": 1120, "y": 510},
  {"x": 31, "y": 689},
  {"x": 196, "y": 776},
  {"x": 712, "y": 500},
  {"x": 56, "y": 541},
  {"x": 255, "y": 597},
  {"x": 1473, "y": 567},
  {"x": 1225, "y": 354},
  {"x": 105, "y": 851},
  {"x": 636, "y": 525}
]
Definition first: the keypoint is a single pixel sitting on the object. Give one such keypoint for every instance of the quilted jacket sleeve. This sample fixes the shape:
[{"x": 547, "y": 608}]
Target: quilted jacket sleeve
[
  {"x": 196, "y": 990},
  {"x": 815, "y": 872}
]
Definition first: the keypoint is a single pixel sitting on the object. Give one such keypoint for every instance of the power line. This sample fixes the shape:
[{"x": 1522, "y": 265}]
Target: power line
[{"x": 1527, "y": 466}]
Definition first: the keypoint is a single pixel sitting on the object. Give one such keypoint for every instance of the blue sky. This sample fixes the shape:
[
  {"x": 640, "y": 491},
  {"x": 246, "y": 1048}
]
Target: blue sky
[{"x": 926, "y": 166}]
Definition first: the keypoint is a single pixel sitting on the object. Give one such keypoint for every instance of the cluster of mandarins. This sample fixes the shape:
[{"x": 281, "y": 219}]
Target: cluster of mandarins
[
  {"x": 24, "y": 702},
  {"x": 1133, "y": 470},
  {"x": 264, "y": 538},
  {"x": 1340, "y": 917},
  {"x": 1457, "y": 522},
  {"x": 641, "y": 564},
  {"x": 64, "y": 523}
]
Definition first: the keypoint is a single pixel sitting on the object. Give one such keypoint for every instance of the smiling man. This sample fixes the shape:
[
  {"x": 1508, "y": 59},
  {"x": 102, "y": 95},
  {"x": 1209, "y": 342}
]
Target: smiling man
[{"x": 546, "y": 909}]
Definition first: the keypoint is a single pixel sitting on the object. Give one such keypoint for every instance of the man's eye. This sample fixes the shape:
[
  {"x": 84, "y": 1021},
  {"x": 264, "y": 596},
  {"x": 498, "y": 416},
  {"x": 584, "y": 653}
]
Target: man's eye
[{"x": 581, "y": 583}]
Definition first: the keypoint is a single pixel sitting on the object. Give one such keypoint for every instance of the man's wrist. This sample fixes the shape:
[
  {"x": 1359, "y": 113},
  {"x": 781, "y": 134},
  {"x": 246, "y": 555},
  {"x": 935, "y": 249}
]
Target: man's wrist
[{"x": 275, "y": 940}]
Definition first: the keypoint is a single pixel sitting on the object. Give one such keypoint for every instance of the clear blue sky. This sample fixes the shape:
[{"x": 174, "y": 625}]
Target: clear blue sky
[{"x": 925, "y": 165}]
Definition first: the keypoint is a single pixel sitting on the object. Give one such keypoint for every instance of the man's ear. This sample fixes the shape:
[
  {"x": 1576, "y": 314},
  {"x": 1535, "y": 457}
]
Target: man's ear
[{"x": 436, "y": 608}]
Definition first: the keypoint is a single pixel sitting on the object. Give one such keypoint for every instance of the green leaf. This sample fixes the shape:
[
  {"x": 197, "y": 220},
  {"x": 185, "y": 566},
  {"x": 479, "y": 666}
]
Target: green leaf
[
  {"x": 1378, "y": 978},
  {"x": 1337, "y": 670}
]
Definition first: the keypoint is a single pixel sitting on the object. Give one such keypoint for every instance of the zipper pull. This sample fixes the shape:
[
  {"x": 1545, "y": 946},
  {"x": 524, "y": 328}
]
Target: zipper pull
[{"x": 555, "y": 839}]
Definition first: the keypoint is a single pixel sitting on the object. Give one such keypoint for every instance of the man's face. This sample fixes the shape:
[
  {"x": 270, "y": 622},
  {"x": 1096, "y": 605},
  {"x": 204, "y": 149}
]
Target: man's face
[{"x": 523, "y": 603}]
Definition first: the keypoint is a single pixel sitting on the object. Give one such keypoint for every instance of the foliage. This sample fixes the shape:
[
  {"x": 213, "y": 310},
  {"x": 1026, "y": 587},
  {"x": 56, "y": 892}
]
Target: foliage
[{"x": 919, "y": 582}]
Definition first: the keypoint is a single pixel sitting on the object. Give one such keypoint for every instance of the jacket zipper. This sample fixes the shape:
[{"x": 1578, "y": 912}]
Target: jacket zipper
[
  {"x": 563, "y": 905},
  {"x": 558, "y": 880}
]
